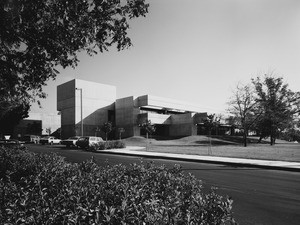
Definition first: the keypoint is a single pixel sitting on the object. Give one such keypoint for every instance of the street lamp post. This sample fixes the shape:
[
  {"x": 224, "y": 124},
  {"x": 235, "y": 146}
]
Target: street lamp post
[{"x": 81, "y": 117}]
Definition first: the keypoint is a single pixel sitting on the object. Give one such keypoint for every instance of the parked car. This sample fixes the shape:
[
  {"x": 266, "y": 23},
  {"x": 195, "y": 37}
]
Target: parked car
[
  {"x": 31, "y": 139},
  {"x": 11, "y": 142},
  {"x": 70, "y": 142},
  {"x": 49, "y": 140},
  {"x": 87, "y": 141}
]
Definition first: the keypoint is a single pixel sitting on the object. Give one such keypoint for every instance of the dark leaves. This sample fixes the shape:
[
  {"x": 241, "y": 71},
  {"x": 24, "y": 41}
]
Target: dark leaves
[{"x": 36, "y": 36}]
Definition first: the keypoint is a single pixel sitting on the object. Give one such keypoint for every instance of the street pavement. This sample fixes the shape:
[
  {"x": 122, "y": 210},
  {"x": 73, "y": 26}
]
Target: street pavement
[{"x": 267, "y": 164}]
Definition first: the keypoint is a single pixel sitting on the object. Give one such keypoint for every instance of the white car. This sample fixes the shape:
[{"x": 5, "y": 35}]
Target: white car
[{"x": 49, "y": 140}]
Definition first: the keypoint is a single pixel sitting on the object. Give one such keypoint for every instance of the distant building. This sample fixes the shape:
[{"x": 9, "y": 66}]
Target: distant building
[
  {"x": 37, "y": 124},
  {"x": 96, "y": 104}
]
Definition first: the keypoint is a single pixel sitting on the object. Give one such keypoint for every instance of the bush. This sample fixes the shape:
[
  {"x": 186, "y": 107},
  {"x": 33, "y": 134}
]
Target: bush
[
  {"x": 16, "y": 162},
  {"x": 56, "y": 192},
  {"x": 107, "y": 145}
]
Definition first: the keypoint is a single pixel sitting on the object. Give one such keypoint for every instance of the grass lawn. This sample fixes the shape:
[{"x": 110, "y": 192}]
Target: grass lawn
[{"x": 224, "y": 146}]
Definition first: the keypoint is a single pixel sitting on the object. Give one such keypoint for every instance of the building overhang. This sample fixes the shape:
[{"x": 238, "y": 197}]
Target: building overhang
[{"x": 158, "y": 103}]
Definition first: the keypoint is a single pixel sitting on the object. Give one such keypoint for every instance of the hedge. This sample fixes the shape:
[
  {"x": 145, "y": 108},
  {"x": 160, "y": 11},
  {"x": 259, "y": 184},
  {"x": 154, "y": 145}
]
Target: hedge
[
  {"x": 107, "y": 145},
  {"x": 45, "y": 189}
]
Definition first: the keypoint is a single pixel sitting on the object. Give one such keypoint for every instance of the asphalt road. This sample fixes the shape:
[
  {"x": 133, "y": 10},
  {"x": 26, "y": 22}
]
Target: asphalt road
[{"x": 265, "y": 197}]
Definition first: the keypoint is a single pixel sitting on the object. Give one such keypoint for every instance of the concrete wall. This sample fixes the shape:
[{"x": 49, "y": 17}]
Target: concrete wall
[
  {"x": 158, "y": 118},
  {"x": 66, "y": 106},
  {"x": 49, "y": 120},
  {"x": 124, "y": 115},
  {"x": 97, "y": 100},
  {"x": 199, "y": 117},
  {"x": 154, "y": 118},
  {"x": 182, "y": 125},
  {"x": 127, "y": 116}
]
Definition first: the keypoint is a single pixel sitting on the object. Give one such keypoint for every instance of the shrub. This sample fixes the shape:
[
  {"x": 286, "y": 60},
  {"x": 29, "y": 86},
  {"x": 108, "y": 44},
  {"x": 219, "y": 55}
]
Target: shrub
[
  {"x": 119, "y": 144},
  {"x": 107, "y": 145},
  {"x": 57, "y": 192},
  {"x": 16, "y": 162}
]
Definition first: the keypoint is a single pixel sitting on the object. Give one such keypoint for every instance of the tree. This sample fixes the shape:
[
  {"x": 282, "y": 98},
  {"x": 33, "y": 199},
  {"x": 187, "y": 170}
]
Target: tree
[
  {"x": 107, "y": 127},
  {"x": 211, "y": 122},
  {"x": 48, "y": 131},
  {"x": 97, "y": 129},
  {"x": 11, "y": 117},
  {"x": 279, "y": 105},
  {"x": 120, "y": 131},
  {"x": 245, "y": 108},
  {"x": 292, "y": 132},
  {"x": 149, "y": 128},
  {"x": 233, "y": 122},
  {"x": 38, "y": 36}
]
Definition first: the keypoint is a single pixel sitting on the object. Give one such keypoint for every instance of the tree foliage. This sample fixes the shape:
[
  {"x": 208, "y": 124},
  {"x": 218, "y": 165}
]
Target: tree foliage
[
  {"x": 245, "y": 108},
  {"x": 12, "y": 117},
  {"x": 37, "y": 36},
  {"x": 148, "y": 127},
  {"x": 211, "y": 122},
  {"x": 279, "y": 104},
  {"x": 107, "y": 127},
  {"x": 266, "y": 105},
  {"x": 48, "y": 130},
  {"x": 292, "y": 132}
]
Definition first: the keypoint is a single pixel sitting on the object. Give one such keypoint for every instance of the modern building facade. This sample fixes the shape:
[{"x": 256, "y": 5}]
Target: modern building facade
[
  {"x": 171, "y": 118},
  {"x": 84, "y": 106},
  {"x": 96, "y": 104}
]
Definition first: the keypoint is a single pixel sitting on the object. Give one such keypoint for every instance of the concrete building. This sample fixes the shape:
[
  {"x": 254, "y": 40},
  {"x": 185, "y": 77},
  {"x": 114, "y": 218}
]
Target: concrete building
[
  {"x": 93, "y": 102},
  {"x": 96, "y": 104},
  {"x": 172, "y": 118}
]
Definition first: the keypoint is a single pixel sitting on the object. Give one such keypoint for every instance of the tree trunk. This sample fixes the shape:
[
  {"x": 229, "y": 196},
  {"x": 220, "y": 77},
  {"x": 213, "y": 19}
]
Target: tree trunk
[
  {"x": 272, "y": 135},
  {"x": 272, "y": 140},
  {"x": 147, "y": 141},
  {"x": 260, "y": 138},
  {"x": 209, "y": 147},
  {"x": 245, "y": 136}
]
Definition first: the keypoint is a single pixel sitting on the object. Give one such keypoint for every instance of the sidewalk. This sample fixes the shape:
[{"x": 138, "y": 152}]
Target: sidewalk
[{"x": 267, "y": 164}]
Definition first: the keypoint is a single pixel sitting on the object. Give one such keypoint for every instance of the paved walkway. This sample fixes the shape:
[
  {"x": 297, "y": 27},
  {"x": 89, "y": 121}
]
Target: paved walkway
[{"x": 140, "y": 151}]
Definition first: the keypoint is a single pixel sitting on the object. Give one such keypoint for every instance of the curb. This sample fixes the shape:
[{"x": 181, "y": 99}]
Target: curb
[{"x": 236, "y": 164}]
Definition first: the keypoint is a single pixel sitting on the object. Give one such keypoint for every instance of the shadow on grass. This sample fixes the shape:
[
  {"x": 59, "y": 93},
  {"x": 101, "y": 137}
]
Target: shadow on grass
[
  {"x": 179, "y": 145},
  {"x": 197, "y": 140},
  {"x": 216, "y": 142},
  {"x": 230, "y": 140}
]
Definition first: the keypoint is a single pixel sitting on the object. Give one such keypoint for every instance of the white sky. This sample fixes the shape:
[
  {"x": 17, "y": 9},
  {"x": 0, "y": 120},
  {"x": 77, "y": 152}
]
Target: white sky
[{"x": 197, "y": 51}]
